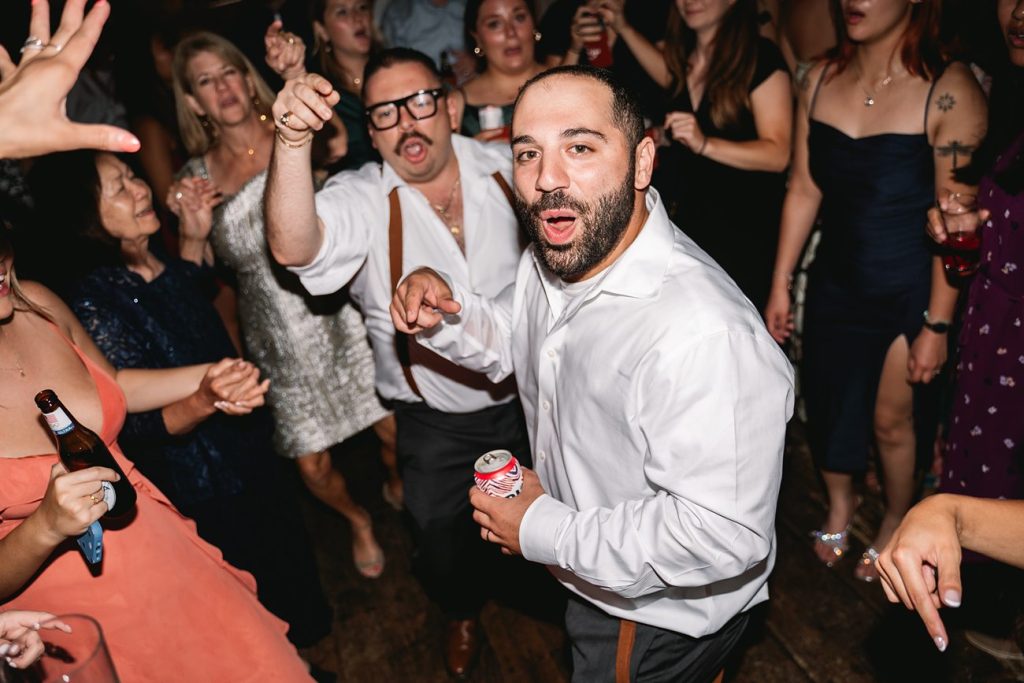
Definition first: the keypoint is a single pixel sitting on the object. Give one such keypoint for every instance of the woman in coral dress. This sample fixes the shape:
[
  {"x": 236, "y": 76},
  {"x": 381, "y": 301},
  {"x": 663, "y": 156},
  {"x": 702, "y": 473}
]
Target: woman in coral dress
[{"x": 170, "y": 607}]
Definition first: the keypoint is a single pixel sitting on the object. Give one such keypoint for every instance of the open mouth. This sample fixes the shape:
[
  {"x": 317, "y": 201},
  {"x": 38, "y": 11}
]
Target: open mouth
[
  {"x": 5, "y": 287},
  {"x": 854, "y": 17},
  {"x": 413, "y": 148},
  {"x": 228, "y": 102},
  {"x": 148, "y": 211},
  {"x": 1016, "y": 38},
  {"x": 559, "y": 225}
]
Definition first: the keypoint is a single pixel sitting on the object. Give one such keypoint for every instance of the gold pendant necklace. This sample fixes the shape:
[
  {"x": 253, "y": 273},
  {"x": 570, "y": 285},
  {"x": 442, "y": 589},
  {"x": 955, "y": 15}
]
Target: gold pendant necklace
[
  {"x": 869, "y": 97},
  {"x": 442, "y": 211}
]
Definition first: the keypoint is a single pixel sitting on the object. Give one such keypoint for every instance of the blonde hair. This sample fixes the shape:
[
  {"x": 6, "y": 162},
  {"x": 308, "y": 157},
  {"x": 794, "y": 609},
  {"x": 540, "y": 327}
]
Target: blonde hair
[
  {"x": 12, "y": 281},
  {"x": 199, "y": 138}
]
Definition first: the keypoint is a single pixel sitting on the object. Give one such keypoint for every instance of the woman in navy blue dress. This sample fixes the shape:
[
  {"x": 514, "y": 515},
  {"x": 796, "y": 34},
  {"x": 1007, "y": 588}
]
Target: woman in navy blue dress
[{"x": 881, "y": 126}]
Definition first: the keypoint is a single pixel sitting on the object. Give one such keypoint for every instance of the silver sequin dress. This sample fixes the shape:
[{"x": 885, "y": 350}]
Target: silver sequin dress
[{"x": 313, "y": 349}]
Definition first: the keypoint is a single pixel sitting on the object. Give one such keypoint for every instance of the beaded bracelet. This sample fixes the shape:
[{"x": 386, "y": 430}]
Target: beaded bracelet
[{"x": 294, "y": 145}]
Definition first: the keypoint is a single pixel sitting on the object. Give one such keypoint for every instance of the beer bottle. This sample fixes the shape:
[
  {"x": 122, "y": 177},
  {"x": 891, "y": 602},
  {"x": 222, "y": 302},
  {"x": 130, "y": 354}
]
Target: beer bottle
[{"x": 79, "y": 448}]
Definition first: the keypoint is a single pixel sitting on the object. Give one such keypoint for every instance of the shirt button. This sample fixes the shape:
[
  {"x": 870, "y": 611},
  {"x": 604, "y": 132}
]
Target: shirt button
[
  {"x": 551, "y": 353},
  {"x": 540, "y": 456},
  {"x": 546, "y": 405}
]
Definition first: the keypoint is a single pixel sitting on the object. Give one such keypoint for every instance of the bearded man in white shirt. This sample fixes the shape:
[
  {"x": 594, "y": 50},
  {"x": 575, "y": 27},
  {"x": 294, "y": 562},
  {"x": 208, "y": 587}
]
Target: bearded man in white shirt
[
  {"x": 655, "y": 399},
  {"x": 440, "y": 200}
]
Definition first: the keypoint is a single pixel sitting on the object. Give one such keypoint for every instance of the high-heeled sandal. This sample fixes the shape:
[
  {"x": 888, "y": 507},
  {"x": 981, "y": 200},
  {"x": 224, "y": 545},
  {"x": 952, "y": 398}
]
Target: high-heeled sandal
[
  {"x": 867, "y": 568},
  {"x": 836, "y": 542},
  {"x": 373, "y": 567}
]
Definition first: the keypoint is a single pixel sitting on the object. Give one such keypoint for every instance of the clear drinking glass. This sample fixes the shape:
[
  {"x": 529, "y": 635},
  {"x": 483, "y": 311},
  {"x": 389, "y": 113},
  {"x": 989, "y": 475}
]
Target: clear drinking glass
[{"x": 77, "y": 657}]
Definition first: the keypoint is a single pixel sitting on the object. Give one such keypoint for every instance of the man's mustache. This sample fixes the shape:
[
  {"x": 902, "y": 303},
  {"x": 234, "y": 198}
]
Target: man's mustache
[
  {"x": 409, "y": 136},
  {"x": 557, "y": 200}
]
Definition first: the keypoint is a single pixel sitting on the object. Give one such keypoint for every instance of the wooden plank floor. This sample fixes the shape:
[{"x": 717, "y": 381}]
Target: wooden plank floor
[{"x": 820, "y": 626}]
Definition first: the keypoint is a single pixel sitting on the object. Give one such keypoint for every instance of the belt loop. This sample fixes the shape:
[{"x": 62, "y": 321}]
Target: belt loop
[{"x": 624, "y": 652}]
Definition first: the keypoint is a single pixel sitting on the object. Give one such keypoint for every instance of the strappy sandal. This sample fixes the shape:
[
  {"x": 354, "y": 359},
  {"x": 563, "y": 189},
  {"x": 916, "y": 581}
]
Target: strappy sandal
[
  {"x": 867, "y": 568},
  {"x": 836, "y": 542}
]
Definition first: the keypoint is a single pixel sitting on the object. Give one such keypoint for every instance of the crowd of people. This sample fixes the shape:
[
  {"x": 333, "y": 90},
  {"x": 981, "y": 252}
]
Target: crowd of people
[{"x": 584, "y": 231}]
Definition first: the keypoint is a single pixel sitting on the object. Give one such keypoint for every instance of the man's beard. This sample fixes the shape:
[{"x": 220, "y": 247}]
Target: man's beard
[{"x": 599, "y": 228}]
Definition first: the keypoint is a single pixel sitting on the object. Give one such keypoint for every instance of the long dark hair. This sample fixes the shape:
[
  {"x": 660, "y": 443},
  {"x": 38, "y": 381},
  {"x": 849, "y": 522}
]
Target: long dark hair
[
  {"x": 921, "y": 53},
  {"x": 1005, "y": 124},
  {"x": 328, "y": 66},
  {"x": 70, "y": 240},
  {"x": 733, "y": 59}
]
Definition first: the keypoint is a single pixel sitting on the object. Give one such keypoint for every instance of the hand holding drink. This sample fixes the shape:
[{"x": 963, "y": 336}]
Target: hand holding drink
[{"x": 960, "y": 219}]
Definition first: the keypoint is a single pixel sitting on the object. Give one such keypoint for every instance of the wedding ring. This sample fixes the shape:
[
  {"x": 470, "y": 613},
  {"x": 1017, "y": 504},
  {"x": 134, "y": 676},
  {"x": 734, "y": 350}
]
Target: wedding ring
[
  {"x": 96, "y": 497},
  {"x": 32, "y": 43},
  {"x": 291, "y": 40},
  {"x": 283, "y": 119},
  {"x": 178, "y": 195}
]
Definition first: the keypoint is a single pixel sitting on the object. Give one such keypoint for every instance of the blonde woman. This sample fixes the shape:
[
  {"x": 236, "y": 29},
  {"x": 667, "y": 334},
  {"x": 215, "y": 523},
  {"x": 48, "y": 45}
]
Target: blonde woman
[{"x": 314, "y": 349}]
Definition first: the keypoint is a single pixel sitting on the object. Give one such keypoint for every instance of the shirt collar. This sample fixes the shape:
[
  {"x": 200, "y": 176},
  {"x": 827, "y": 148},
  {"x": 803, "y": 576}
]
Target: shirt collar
[
  {"x": 473, "y": 162},
  {"x": 640, "y": 270}
]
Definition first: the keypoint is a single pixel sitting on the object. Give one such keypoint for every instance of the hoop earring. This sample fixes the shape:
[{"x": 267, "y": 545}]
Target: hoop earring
[
  {"x": 477, "y": 51},
  {"x": 537, "y": 36}
]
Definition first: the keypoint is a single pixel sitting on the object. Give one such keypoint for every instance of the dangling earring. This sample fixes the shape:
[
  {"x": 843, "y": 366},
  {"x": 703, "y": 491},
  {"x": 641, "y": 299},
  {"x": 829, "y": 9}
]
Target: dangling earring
[
  {"x": 477, "y": 51},
  {"x": 256, "y": 106},
  {"x": 327, "y": 46},
  {"x": 536, "y": 36}
]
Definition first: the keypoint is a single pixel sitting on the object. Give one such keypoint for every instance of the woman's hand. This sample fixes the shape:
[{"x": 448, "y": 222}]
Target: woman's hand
[
  {"x": 193, "y": 200},
  {"x": 778, "y": 312},
  {"x": 19, "y": 635},
  {"x": 936, "y": 226},
  {"x": 73, "y": 501},
  {"x": 286, "y": 53},
  {"x": 231, "y": 386},
  {"x": 927, "y": 356},
  {"x": 613, "y": 14},
  {"x": 683, "y": 127},
  {"x": 585, "y": 28}
]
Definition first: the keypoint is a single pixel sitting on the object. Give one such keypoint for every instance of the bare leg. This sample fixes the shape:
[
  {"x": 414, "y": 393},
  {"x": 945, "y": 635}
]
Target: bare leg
[
  {"x": 387, "y": 433},
  {"x": 842, "y": 503},
  {"x": 894, "y": 432},
  {"x": 328, "y": 485}
]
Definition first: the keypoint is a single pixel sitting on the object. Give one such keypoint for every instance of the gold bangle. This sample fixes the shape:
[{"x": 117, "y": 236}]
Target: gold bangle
[{"x": 294, "y": 145}]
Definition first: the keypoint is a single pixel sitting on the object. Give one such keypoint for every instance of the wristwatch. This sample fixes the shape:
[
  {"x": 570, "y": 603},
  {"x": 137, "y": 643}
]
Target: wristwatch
[{"x": 936, "y": 326}]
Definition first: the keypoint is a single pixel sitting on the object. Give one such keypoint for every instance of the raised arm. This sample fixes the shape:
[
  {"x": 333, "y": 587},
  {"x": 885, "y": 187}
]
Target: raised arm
[
  {"x": 649, "y": 55},
  {"x": 294, "y": 232},
  {"x": 800, "y": 208},
  {"x": 957, "y": 116}
]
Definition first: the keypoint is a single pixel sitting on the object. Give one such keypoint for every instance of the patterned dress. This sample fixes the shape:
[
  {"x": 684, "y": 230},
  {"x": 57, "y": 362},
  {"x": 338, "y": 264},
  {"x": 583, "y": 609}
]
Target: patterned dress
[
  {"x": 986, "y": 431},
  {"x": 313, "y": 349}
]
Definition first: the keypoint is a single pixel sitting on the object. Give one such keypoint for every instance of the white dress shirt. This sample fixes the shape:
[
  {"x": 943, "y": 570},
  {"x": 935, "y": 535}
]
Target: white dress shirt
[
  {"x": 353, "y": 206},
  {"x": 657, "y": 406}
]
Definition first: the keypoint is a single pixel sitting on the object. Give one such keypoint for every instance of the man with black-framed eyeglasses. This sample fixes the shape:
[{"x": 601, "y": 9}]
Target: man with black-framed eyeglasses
[{"x": 440, "y": 200}]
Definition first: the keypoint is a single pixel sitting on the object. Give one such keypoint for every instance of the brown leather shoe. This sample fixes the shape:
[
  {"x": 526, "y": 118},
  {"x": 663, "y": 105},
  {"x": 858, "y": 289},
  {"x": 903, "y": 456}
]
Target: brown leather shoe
[{"x": 462, "y": 644}]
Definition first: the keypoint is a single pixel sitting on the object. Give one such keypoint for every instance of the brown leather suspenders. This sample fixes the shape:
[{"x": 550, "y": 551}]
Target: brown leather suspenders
[{"x": 395, "y": 265}]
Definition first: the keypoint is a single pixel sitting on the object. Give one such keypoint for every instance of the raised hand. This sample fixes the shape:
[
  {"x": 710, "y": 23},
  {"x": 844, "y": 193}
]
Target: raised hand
[
  {"x": 286, "y": 53},
  {"x": 304, "y": 105},
  {"x": 585, "y": 28},
  {"x": 193, "y": 200},
  {"x": 33, "y": 93}
]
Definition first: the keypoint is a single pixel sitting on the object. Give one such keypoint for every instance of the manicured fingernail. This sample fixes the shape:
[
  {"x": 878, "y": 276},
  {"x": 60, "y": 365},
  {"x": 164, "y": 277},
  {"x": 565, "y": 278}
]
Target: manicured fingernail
[
  {"x": 940, "y": 643},
  {"x": 10, "y": 663},
  {"x": 219, "y": 405},
  {"x": 15, "y": 649},
  {"x": 130, "y": 143},
  {"x": 4, "y": 647},
  {"x": 951, "y": 598}
]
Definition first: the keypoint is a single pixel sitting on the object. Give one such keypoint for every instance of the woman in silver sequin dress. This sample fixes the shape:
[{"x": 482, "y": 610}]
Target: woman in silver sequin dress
[{"x": 314, "y": 349}]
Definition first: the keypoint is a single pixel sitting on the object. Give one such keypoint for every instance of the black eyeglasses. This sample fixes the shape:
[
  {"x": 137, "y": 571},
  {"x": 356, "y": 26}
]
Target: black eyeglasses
[{"x": 422, "y": 104}]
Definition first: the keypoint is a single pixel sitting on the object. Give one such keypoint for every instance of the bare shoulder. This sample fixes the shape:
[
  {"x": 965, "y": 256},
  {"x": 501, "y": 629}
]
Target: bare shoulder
[
  {"x": 956, "y": 88},
  {"x": 808, "y": 81},
  {"x": 43, "y": 297}
]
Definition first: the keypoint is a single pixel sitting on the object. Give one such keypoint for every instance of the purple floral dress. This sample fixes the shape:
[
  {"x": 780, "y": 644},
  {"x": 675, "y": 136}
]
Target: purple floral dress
[{"x": 985, "y": 450}]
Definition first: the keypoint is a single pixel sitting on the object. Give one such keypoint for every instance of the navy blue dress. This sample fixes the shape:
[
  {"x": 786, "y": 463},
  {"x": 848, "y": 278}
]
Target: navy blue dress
[
  {"x": 223, "y": 474},
  {"x": 869, "y": 284}
]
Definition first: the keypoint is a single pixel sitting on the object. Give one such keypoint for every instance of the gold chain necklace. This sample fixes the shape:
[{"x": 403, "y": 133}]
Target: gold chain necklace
[
  {"x": 442, "y": 211},
  {"x": 18, "y": 368}
]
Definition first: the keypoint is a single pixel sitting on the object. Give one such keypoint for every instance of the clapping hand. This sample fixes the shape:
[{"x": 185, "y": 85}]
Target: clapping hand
[{"x": 33, "y": 93}]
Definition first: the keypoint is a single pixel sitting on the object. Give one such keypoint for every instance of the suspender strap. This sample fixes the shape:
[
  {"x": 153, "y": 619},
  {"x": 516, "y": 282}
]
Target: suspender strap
[
  {"x": 624, "y": 652},
  {"x": 395, "y": 264},
  {"x": 395, "y": 256}
]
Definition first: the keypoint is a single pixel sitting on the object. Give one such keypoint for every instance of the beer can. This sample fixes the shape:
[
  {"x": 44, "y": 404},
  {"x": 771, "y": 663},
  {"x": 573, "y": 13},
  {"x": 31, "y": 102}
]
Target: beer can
[{"x": 497, "y": 473}]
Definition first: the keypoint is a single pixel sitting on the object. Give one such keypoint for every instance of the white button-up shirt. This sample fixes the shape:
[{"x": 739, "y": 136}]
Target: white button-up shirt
[
  {"x": 353, "y": 206},
  {"x": 657, "y": 406}
]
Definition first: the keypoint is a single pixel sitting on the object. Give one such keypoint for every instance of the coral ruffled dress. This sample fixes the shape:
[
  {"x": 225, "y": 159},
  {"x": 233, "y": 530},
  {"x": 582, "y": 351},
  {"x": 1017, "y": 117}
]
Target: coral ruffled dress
[{"x": 171, "y": 608}]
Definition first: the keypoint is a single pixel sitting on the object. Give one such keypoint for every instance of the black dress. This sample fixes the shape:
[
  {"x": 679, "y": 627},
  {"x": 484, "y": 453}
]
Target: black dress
[
  {"x": 731, "y": 213},
  {"x": 223, "y": 474},
  {"x": 869, "y": 284}
]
